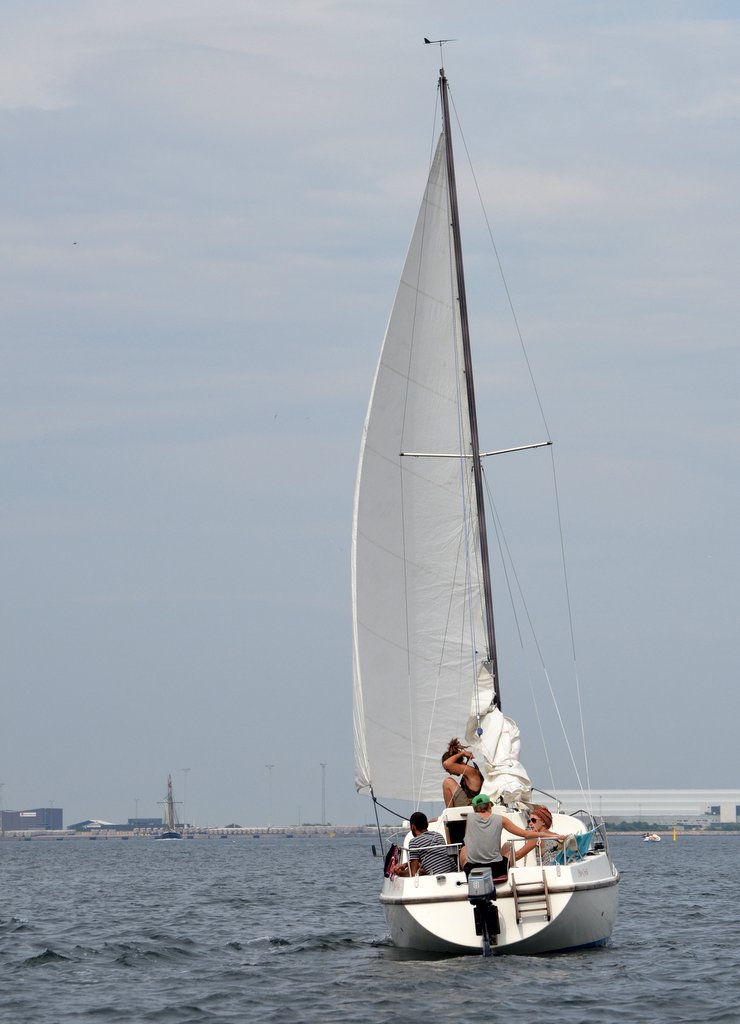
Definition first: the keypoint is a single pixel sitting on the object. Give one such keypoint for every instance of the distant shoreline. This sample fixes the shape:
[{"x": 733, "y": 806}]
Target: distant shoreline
[
  {"x": 286, "y": 832},
  {"x": 256, "y": 832}
]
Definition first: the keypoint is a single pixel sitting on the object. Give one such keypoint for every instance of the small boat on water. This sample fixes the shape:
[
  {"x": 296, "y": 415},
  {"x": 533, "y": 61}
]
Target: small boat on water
[
  {"x": 651, "y": 837},
  {"x": 170, "y": 823},
  {"x": 424, "y": 661}
]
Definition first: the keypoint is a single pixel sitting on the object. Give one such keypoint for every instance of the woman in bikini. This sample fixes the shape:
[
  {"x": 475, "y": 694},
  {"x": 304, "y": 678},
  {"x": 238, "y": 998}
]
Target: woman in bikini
[{"x": 457, "y": 761}]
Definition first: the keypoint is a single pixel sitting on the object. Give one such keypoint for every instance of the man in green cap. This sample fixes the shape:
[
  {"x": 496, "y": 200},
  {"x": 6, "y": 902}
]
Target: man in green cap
[{"x": 483, "y": 830}]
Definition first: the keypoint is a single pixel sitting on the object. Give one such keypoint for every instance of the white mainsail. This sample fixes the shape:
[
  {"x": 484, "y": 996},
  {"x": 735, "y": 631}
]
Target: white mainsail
[{"x": 417, "y": 603}]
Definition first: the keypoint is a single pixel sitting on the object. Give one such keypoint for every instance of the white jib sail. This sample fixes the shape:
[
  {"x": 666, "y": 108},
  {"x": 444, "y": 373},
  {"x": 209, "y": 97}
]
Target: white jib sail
[{"x": 417, "y": 605}]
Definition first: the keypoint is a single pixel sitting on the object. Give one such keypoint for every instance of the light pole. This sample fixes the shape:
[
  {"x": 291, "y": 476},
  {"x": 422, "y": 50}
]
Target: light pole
[
  {"x": 269, "y": 793},
  {"x": 184, "y": 796},
  {"x": 323, "y": 792}
]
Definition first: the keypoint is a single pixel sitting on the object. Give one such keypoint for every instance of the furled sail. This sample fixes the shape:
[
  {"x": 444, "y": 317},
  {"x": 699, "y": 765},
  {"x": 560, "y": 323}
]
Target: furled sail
[
  {"x": 169, "y": 806},
  {"x": 494, "y": 739},
  {"x": 417, "y": 606}
]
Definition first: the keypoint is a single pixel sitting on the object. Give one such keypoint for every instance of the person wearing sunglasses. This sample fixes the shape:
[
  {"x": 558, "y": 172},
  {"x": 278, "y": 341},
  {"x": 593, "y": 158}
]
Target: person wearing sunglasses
[{"x": 540, "y": 820}]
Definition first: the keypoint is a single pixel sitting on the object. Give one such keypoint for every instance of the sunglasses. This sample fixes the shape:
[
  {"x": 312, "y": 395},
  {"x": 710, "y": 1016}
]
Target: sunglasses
[{"x": 533, "y": 821}]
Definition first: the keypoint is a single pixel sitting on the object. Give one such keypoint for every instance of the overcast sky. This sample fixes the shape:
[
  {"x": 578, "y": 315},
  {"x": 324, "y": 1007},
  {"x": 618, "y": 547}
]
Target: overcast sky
[{"x": 205, "y": 209}]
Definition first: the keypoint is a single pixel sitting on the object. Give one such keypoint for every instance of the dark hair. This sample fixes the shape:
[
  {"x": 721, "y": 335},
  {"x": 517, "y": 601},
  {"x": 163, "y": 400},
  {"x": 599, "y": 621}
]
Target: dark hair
[
  {"x": 419, "y": 820},
  {"x": 453, "y": 747}
]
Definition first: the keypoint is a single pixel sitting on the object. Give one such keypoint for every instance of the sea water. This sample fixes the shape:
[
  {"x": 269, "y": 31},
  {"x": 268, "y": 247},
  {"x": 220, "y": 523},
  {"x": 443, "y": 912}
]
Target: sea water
[{"x": 290, "y": 930}]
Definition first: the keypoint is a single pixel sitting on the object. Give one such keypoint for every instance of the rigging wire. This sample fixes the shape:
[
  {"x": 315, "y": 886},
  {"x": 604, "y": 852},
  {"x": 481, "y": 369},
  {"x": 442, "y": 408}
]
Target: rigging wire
[
  {"x": 465, "y": 543},
  {"x": 587, "y": 791},
  {"x": 427, "y": 745},
  {"x": 377, "y": 803},
  {"x": 466, "y": 490},
  {"x": 535, "y": 639},
  {"x": 505, "y": 283},
  {"x": 509, "y": 569},
  {"x": 377, "y": 821}
]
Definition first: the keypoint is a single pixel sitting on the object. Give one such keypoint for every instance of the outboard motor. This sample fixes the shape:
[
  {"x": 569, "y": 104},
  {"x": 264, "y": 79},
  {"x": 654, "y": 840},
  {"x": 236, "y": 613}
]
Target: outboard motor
[{"x": 482, "y": 895}]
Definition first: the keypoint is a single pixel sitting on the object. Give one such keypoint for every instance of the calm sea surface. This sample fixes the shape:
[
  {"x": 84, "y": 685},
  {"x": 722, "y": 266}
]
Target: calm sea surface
[{"x": 283, "y": 930}]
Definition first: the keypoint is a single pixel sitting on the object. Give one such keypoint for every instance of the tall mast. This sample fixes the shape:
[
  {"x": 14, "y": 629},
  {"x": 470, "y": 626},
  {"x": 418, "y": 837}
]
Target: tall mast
[{"x": 474, "y": 444}]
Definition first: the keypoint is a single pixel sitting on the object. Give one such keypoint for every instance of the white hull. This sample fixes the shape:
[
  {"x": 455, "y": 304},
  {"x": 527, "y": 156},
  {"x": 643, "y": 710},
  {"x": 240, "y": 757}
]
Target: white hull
[
  {"x": 541, "y": 909},
  {"x": 433, "y": 914}
]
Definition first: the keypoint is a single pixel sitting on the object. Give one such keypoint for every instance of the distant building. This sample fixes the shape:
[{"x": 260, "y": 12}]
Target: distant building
[
  {"x": 727, "y": 812},
  {"x": 671, "y": 806},
  {"x": 38, "y": 817},
  {"x": 96, "y": 825},
  {"x": 89, "y": 824}
]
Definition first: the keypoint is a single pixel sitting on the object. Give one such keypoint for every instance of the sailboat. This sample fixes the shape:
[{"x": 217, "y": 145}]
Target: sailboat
[
  {"x": 170, "y": 826},
  {"x": 425, "y": 663}
]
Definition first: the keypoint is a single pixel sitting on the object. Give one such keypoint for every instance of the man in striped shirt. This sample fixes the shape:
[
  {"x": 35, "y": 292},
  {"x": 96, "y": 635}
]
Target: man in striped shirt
[{"x": 427, "y": 850}]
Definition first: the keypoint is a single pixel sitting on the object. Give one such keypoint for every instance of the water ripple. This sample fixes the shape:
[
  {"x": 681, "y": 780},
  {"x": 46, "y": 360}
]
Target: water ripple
[{"x": 294, "y": 932}]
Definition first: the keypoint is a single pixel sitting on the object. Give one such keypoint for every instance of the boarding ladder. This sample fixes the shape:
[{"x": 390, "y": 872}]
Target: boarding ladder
[{"x": 531, "y": 896}]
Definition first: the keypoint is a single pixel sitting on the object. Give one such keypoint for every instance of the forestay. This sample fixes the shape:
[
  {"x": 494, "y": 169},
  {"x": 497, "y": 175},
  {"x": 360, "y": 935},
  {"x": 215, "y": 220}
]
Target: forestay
[{"x": 417, "y": 605}]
